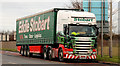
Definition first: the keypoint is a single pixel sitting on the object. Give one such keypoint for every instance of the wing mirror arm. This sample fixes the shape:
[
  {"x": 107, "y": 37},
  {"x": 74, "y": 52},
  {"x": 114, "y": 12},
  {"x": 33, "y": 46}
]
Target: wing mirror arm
[
  {"x": 97, "y": 31},
  {"x": 65, "y": 28}
]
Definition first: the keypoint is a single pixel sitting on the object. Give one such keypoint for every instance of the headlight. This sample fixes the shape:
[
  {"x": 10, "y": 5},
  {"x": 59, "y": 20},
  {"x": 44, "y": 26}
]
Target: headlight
[
  {"x": 90, "y": 51},
  {"x": 94, "y": 53},
  {"x": 70, "y": 52}
]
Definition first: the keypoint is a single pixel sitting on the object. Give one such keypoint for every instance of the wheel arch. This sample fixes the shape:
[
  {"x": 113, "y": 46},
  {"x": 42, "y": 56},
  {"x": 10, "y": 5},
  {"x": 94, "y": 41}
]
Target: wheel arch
[{"x": 61, "y": 46}]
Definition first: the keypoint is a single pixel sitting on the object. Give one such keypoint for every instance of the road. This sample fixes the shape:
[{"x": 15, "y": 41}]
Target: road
[{"x": 9, "y": 57}]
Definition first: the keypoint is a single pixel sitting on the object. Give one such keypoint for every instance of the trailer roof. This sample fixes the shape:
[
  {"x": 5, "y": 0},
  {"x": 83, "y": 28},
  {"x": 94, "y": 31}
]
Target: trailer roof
[{"x": 50, "y": 10}]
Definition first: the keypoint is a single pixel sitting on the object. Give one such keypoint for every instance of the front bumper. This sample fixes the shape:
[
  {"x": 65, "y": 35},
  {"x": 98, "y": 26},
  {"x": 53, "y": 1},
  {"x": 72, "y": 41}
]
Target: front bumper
[{"x": 71, "y": 56}]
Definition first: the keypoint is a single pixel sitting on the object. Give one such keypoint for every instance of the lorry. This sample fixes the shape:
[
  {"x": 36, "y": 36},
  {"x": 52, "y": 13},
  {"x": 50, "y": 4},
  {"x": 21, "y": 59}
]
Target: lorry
[{"x": 58, "y": 33}]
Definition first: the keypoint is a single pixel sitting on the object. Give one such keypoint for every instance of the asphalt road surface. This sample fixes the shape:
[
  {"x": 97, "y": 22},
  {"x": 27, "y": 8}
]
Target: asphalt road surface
[{"x": 9, "y": 57}]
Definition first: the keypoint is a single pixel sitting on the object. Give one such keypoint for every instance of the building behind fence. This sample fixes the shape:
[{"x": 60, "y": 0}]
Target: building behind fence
[
  {"x": 8, "y": 40},
  {"x": 8, "y": 36}
]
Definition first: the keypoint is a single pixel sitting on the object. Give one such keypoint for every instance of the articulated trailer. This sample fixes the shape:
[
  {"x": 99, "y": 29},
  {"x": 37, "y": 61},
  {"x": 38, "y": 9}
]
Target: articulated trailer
[{"x": 58, "y": 33}]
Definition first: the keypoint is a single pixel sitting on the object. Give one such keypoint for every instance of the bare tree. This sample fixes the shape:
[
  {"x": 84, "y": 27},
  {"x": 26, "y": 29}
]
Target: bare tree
[{"x": 74, "y": 4}]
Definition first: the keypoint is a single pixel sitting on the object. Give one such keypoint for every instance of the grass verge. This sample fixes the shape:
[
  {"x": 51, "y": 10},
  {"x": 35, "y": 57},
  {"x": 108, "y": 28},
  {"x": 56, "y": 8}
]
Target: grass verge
[
  {"x": 106, "y": 58},
  {"x": 14, "y": 50}
]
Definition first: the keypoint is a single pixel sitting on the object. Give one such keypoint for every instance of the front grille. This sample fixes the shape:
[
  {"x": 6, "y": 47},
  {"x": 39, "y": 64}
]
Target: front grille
[{"x": 82, "y": 47}]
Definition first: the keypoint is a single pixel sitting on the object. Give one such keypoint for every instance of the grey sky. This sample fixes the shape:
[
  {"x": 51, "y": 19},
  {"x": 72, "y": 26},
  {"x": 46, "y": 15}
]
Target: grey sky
[{"x": 10, "y": 10}]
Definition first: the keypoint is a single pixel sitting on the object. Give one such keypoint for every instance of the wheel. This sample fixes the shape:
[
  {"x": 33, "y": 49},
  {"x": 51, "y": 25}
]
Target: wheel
[
  {"x": 22, "y": 50},
  {"x": 45, "y": 53},
  {"x": 31, "y": 54},
  {"x": 50, "y": 54},
  {"x": 23, "y": 54},
  {"x": 28, "y": 54},
  {"x": 60, "y": 55},
  {"x": 27, "y": 51}
]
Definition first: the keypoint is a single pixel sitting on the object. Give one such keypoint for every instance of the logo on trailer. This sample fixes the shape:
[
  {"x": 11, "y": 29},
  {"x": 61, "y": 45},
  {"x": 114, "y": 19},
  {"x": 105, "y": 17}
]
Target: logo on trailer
[{"x": 25, "y": 26}]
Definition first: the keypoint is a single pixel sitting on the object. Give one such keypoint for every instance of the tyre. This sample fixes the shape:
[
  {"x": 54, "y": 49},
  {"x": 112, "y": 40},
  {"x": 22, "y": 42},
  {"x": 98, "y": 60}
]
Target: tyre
[
  {"x": 31, "y": 54},
  {"x": 50, "y": 54},
  {"x": 22, "y": 50},
  {"x": 60, "y": 55},
  {"x": 27, "y": 51},
  {"x": 28, "y": 54},
  {"x": 45, "y": 53}
]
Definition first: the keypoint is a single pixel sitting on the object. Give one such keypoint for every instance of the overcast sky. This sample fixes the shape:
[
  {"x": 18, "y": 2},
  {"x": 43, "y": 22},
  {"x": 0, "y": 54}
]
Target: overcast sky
[{"x": 10, "y": 10}]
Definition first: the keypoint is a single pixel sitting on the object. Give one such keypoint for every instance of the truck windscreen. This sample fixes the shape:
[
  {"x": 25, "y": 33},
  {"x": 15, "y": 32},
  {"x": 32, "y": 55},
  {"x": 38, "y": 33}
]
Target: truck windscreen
[{"x": 82, "y": 31}]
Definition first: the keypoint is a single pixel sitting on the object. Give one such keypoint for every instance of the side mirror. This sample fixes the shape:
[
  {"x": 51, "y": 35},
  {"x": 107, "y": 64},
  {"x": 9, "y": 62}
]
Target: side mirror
[
  {"x": 97, "y": 33},
  {"x": 65, "y": 28}
]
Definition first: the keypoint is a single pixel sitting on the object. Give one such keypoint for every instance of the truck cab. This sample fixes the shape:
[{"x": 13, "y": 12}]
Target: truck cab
[{"x": 79, "y": 31}]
